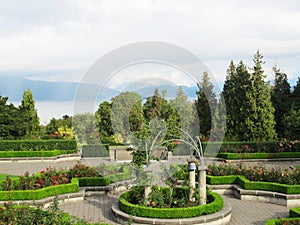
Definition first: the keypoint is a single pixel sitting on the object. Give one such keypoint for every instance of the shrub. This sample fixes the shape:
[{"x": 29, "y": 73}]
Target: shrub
[
  {"x": 37, "y": 145},
  {"x": 259, "y": 155},
  {"x": 51, "y": 153},
  {"x": 81, "y": 170},
  {"x": 294, "y": 212}
]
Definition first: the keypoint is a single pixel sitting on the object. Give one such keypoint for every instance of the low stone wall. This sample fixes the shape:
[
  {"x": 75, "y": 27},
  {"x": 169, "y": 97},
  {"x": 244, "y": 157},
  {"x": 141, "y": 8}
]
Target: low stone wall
[
  {"x": 120, "y": 153},
  {"x": 257, "y": 195}
]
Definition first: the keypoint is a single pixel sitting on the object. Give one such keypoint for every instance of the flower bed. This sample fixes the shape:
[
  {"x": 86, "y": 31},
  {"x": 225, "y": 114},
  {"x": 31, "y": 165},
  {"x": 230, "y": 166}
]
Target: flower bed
[
  {"x": 128, "y": 203},
  {"x": 259, "y": 155},
  {"x": 257, "y": 173}
]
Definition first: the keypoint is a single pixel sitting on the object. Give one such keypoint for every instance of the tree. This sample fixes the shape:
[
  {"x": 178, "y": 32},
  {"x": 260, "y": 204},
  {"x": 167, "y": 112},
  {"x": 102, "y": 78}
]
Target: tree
[
  {"x": 85, "y": 128},
  {"x": 206, "y": 104},
  {"x": 295, "y": 96},
  {"x": 103, "y": 119},
  {"x": 126, "y": 113},
  {"x": 54, "y": 124},
  {"x": 10, "y": 120},
  {"x": 280, "y": 96},
  {"x": 291, "y": 122},
  {"x": 31, "y": 120},
  {"x": 262, "y": 115},
  {"x": 156, "y": 106}
]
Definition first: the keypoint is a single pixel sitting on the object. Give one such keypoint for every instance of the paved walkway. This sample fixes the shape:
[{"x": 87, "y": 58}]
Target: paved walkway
[{"x": 97, "y": 208}]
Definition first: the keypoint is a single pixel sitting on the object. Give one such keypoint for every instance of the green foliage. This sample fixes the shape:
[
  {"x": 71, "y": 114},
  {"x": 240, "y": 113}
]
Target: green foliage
[
  {"x": 291, "y": 122},
  {"x": 250, "y": 114},
  {"x": 280, "y": 96},
  {"x": 295, "y": 98},
  {"x": 54, "y": 124},
  {"x": 29, "y": 113},
  {"x": 103, "y": 119},
  {"x": 50, "y": 153},
  {"x": 215, "y": 205},
  {"x": 105, "y": 180},
  {"x": 259, "y": 155},
  {"x": 294, "y": 212},
  {"x": 40, "y": 193},
  {"x": 37, "y": 145},
  {"x": 206, "y": 104},
  {"x": 85, "y": 128},
  {"x": 10, "y": 121}
]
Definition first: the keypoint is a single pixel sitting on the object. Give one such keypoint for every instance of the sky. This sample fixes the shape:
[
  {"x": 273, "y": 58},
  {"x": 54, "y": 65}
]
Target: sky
[{"x": 59, "y": 40}]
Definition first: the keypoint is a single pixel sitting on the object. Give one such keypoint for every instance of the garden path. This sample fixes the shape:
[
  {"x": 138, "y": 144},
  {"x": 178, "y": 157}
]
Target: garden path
[{"x": 98, "y": 207}]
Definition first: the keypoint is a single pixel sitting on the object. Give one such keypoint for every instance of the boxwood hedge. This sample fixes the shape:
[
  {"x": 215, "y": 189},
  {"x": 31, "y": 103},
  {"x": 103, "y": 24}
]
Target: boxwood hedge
[
  {"x": 51, "y": 153},
  {"x": 37, "y": 145},
  {"x": 103, "y": 181},
  {"x": 259, "y": 155},
  {"x": 170, "y": 213},
  {"x": 253, "y": 185},
  {"x": 294, "y": 216},
  {"x": 40, "y": 193}
]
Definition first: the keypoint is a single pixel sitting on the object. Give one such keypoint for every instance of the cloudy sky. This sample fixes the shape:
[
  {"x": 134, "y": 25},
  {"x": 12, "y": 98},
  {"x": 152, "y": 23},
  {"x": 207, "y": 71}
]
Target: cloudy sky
[{"x": 58, "y": 40}]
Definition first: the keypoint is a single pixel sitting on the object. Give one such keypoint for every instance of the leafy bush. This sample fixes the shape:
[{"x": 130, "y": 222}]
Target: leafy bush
[
  {"x": 37, "y": 145},
  {"x": 81, "y": 170},
  {"x": 215, "y": 205},
  {"x": 294, "y": 212}
]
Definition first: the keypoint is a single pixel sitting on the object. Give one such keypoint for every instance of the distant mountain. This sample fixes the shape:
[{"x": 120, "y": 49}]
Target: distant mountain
[{"x": 14, "y": 86}]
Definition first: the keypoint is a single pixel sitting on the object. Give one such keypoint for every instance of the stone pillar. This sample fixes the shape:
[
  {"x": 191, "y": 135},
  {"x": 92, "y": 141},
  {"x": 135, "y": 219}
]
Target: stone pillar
[
  {"x": 202, "y": 184},
  {"x": 192, "y": 179}
]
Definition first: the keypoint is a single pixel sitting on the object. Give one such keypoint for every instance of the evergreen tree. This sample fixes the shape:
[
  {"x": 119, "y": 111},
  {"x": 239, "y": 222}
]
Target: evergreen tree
[
  {"x": 10, "y": 120},
  {"x": 206, "y": 104},
  {"x": 281, "y": 94},
  {"x": 103, "y": 119},
  {"x": 31, "y": 120},
  {"x": 262, "y": 115},
  {"x": 295, "y": 97}
]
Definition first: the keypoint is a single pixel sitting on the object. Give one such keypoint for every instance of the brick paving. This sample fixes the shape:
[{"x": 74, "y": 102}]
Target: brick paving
[{"x": 97, "y": 208}]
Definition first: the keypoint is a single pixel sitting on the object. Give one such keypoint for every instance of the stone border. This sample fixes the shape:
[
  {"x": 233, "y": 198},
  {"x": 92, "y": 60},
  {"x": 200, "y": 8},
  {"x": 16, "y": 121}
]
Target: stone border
[
  {"x": 292, "y": 200},
  {"x": 219, "y": 218},
  {"x": 65, "y": 157}
]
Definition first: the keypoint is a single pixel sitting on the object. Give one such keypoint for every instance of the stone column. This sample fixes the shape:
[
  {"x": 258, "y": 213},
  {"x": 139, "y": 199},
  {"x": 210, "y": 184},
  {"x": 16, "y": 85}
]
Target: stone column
[
  {"x": 192, "y": 179},
  {"x": 202, "y": 184}
]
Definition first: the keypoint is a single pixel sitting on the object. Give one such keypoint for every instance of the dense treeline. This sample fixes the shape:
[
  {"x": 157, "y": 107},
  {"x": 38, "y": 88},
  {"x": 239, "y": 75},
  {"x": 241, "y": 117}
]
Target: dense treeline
[{"x": 255, "y": 111}]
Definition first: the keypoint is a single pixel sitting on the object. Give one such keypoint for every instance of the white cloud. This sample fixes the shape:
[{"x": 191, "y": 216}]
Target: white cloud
[{"x": 72, "y": 35}]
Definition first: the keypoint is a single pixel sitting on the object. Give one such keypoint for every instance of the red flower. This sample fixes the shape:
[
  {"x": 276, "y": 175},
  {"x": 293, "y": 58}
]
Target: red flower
[{"x": 176, "y": 142}]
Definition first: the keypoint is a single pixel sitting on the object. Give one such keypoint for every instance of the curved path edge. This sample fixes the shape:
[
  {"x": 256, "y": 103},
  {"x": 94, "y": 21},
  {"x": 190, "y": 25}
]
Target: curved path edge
[{"x": 221, "y": 217}]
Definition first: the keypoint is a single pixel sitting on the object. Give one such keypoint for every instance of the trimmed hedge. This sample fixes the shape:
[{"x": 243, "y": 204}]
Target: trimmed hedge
[
  {"x": 259, "y": 155},
  {"x": 37, "y": 145},
  {"x": 40, "y": 193},
  {"x": 294, "y": 212},
  {"x": 170, "y": 213},
  {"x": 277, "y": 221},
  {"x": 13, "y": 154},
  {"x": 253, "y": 185},
  {"x": 95, "y": 150},
  {"x": 103, "y": 181},
  {"x": 294, "y": 216}
]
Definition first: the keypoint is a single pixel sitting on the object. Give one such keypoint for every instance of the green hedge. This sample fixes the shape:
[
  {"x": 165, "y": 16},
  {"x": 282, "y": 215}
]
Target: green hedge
[
  {"x": 278, "y": 221},
  {"x": 40, "y": 193},
  {"x": 37, "y": 145},
  {"x": 103, "y": 181},
  {"x": 170, "y": 213},
  {"x": 294, "y": 216},
  {"x": 13, "y": 154},
  {"x": 294, "y": 212},
  {"x": 259, "y": 155},
  {"x": 95, "y": 150},
  {"x": 253, "y": 185}
]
